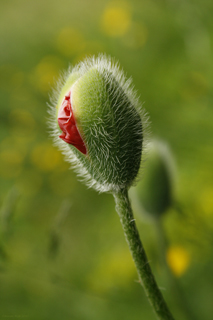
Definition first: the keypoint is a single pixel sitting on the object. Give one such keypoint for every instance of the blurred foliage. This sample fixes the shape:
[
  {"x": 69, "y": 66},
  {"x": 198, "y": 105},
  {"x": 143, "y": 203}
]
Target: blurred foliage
[{"x": 81, "y": 269}]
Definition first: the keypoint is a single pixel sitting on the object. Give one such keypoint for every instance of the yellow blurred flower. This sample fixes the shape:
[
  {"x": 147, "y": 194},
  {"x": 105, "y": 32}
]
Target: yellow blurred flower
[
  {"x": 206, "y": 201},
  {"x": 115, "y": 269},
  {"x": 116, "y": 19},
  {"x": 45, "y": 157},
  {"x": 46, "y": 72},
  {"x": 70, "y": 42},
  {"x": 178, "y": 259}
]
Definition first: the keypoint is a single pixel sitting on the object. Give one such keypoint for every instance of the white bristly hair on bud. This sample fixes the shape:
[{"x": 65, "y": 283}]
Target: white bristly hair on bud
[{"x": 126, "y": 94}]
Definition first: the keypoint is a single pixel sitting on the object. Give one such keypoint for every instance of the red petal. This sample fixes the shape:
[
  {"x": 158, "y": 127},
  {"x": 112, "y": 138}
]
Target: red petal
[{"x": 67, "y": 124}]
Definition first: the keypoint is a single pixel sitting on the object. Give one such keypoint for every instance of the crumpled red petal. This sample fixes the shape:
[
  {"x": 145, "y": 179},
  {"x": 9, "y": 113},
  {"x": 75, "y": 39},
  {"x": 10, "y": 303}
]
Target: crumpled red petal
[{"x": 67, "y": 124}]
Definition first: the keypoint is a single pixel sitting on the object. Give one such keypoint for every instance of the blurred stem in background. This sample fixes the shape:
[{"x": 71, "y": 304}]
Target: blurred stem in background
[
  {"x": 55, "y": 236},
  {"x": 6, "y": 215},
  {"x": 7, "y": 209},
  {"x": 177, "y": 291},
  {"x": 152, "y": 197}
]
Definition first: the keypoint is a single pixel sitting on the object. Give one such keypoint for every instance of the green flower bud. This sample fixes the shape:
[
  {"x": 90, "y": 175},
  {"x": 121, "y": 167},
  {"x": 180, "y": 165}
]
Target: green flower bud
[
  {"x": 98, "y": 116},
  {"x": 153, "y": 195}
]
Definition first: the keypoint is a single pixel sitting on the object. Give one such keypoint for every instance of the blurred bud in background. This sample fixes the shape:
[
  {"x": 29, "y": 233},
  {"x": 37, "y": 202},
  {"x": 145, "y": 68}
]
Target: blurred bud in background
[
  {"x": 152, "y": 198},
  {"x": 154, "y": 194}
]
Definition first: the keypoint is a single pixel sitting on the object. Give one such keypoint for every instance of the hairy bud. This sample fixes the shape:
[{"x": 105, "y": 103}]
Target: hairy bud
[{"x": 99, "y": 124}]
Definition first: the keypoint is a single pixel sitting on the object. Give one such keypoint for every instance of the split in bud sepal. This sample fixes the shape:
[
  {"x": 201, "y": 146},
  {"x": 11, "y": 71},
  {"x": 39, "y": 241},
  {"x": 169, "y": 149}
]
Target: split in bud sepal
[{"x": 99, "y": 124}]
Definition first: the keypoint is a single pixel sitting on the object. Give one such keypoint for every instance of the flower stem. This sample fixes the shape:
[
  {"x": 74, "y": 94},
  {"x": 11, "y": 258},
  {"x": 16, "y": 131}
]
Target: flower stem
[{"x": 145, "y": 274}]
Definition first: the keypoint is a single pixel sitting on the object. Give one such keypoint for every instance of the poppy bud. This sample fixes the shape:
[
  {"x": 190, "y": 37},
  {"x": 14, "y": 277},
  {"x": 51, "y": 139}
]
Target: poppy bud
[
  {"x": 154, "y": 193},
  {"x": 99, "y": 124}
]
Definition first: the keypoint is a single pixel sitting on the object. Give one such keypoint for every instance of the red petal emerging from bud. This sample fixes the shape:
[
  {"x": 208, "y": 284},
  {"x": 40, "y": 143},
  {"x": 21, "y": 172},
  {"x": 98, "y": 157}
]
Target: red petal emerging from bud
[{"x": 67, "y": 124}]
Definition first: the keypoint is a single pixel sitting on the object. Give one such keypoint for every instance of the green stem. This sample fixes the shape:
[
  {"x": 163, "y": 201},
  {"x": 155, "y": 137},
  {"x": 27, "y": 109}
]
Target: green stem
[{"x": 145, "y": 274}]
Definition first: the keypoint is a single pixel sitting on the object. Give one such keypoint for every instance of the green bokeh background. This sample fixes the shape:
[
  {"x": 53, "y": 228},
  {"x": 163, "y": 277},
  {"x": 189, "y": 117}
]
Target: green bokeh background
[{"x": 62, "y": 249}]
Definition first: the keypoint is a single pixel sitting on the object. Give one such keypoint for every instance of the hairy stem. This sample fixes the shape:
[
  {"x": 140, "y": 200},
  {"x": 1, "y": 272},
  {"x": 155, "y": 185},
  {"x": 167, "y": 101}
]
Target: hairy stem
[{"x": 145, "y": 274}]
